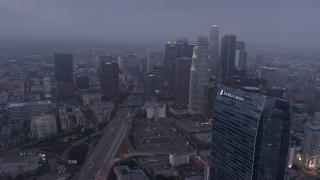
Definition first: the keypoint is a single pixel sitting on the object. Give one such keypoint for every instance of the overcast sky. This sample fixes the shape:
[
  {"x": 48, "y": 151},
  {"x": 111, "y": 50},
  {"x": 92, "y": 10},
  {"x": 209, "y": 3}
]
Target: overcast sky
[{"x": 292, "y": 23}]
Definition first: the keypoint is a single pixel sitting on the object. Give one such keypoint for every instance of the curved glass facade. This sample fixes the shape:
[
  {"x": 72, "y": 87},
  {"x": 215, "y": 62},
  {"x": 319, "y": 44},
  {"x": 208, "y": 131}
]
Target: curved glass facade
[{"x": 243, "y": 124}]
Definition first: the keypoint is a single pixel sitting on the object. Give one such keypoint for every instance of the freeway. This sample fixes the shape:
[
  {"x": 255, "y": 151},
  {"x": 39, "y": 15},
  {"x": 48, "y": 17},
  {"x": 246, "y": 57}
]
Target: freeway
[{"x": 97, "y": 166}]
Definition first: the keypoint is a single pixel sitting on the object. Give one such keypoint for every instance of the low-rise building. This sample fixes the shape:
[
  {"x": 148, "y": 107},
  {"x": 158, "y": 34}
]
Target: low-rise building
[
  {"x": 154, "y": 109},
  {"x": 91, "y": 98},
  {"x": 124, "y": 173},
  {"x": 4, "y": 97},
  {"x": 5, "y": 133},
  {"x": 22, "y": 111},
  {"x": 178, "y": 159},
  {"x": 70, "y": 117},
  {"x": 162, "y": 169},
  {"x": 61, "y": 169},
  {"x": 43, "y": 125},
  {"x": 103, "y": 110},
  {"x": 15, "y": 165}
]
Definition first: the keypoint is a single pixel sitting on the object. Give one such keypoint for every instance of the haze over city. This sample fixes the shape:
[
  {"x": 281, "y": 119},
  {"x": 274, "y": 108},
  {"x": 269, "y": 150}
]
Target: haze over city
[
  {"x": 287, "y": 24},
  {"x": 159, "y": 90}
]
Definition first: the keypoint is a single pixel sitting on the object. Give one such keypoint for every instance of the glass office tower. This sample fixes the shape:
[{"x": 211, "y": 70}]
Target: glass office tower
[{"x": 251, "y": 135}]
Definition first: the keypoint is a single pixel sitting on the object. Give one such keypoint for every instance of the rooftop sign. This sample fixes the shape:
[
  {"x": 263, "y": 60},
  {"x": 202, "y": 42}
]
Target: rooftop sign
[{"x": 224, "y": 93}]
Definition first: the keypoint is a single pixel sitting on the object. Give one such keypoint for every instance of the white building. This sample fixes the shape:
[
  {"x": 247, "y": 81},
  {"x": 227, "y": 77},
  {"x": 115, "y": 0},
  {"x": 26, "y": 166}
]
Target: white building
[
  {"x": 43, "y": 125},
  {"x": 292, "y": 152},
  {"x": 309, "y": 157},
  {"x": 178, "y": 159},
  {"x": 199, "y": 76},
  {"x": 155, "y": 109}
]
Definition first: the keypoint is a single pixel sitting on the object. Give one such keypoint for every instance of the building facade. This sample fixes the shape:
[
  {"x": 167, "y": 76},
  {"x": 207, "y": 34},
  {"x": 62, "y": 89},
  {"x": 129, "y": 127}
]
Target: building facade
[
  {"x": 43, "y": 125},
  {"x": 275, "y": 77},
  {"x": 109, "y": 78},
  {"x": 170, "y": 55},
  {"x": 214, "y": 50},
  {"x": 178, "y": 159},
  {"x": 150, "y": 85},
  {"x": 24, "y": 111},
  {"x": 199, "y": 76},
  {"x": 63, "y": 75},
  {"x": 153, "y": 59},
  {"x": 227, "y": 55},
  {"x": 309, "y": 157},
  {"x": 182, "y": 81},
  {"x": 241, "y": 56},
  {"x": 250, "y": 136}
]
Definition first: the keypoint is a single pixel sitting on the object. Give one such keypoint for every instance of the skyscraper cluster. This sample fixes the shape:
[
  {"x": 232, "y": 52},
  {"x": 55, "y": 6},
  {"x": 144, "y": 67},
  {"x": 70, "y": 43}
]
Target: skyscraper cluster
[
  {"x": 189, "y": 67},
  {"x": 251, "y": 131}
]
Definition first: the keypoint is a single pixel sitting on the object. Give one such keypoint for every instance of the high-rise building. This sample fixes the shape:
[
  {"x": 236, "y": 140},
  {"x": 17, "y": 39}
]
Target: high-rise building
[
  {"x": 199, "y": 76},
  {"x": 109, "y": 78},
  {"x": 210, "y": 92},
  {"x": 250, "y": 136},
  {"x": 150, "y": 85},
  {"x": 159, "y": 79},
  {"x": 214, "y": 50},
  {"x": 63, "y": 65},
  {"x": 184, "y": 48},
  {"x": 270, "y": 75},
  {"x": 241, "y": 56},
  {"x": 310, "y": 153},
  {"x": 153, "y": 59},
  {"x": 275, "y": 77},
  {"x": 182, "y": 80},
  {"x": 182, "y": 44},
  {"x": 47, "y": 84},
  {"x": 227, "y": 56},
  {"x": 170, "y": 55},
  {"x": 63, "y": 75},
  {"x": 82, "y": 81}
]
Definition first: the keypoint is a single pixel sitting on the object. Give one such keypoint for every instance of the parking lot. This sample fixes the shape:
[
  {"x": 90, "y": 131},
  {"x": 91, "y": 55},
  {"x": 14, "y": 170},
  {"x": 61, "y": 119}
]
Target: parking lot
[{"x": 158, "y": 136}]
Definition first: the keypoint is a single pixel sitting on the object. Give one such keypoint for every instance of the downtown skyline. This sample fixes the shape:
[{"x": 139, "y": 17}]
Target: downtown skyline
[{"x": 269, "y": 23}]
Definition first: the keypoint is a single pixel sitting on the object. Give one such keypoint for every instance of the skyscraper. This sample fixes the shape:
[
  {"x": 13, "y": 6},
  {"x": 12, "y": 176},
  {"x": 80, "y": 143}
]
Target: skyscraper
[
  {"x": 250, "y": 136},
  {"x": 214, "y": 50},
  {"x": 275, "y": 77},
  {"x": 310, "y": 154},
  {"x": 170, "y": 55},
  {"x": 150, "y": 85},
  {"x": 211, "y": 93},
  {"x": 199, "y": 76},
  {"x": 227, "y": 56},
  {"x": 182, "y": 80},
  {"x": 152, "y": 59},
  {"x": 241, "y": 56},
  {"x": 109, "y": 78},
  {"x": 63, "y": 66}
]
